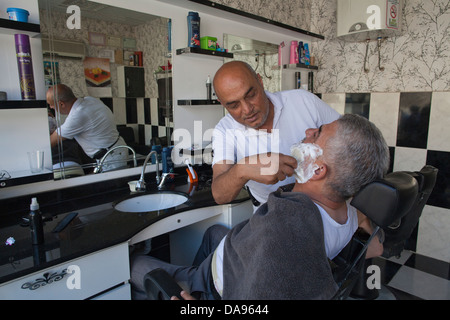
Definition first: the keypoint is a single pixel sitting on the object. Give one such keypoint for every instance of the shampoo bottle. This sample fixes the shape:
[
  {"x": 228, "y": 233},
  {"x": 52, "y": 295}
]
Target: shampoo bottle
[
  {"x": 301, "y": 52},
  {"x": 193, "y": 23},
  {"x": 294, "y": 53},
  {"x": 167, "y": 161},
  {"x": 36, "y": 225},
  {"x": 306, "y": 54}
]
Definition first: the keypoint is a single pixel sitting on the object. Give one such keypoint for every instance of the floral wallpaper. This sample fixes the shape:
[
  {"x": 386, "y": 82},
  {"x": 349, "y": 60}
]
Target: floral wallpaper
[{"x": 417, "y": 60}]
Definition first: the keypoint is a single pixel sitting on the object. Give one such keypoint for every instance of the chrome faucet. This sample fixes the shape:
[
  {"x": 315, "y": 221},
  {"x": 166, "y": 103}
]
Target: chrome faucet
[
  {"x": 140, "y": 185},
  {"x": 99, "y": 167}
]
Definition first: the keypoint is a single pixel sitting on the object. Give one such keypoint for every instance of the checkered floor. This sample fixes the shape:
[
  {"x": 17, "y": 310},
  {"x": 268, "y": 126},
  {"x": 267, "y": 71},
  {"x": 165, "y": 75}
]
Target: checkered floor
[{"x": 413, "y": 277}]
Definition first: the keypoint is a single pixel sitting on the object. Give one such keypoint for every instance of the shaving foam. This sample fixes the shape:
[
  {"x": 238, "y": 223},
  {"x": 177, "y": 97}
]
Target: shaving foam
[{"x": 306, "y": 155}]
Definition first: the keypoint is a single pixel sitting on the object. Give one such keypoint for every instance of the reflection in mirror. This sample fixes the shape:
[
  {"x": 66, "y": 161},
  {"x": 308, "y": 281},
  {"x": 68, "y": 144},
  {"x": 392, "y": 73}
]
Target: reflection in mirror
[
  {"x": 120, "y": 58},
  {"x": 262, "y": 56}
]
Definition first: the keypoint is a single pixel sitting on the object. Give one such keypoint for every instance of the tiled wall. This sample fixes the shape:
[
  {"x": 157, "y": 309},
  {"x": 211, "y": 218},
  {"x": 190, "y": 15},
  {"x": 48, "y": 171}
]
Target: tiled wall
[
  {"x": 416, "y": 128},
  {"x": 144, "y": 115}
]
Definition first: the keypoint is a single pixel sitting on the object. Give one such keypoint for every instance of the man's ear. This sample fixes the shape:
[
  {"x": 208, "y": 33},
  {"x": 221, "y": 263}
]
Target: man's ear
[{"x": 320, "y": 172}]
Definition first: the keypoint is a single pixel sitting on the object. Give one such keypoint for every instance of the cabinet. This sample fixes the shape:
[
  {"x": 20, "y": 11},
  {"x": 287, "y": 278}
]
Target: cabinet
[
  {"x": 101, "y": 275},
  {"x": 131, "y": 82}
]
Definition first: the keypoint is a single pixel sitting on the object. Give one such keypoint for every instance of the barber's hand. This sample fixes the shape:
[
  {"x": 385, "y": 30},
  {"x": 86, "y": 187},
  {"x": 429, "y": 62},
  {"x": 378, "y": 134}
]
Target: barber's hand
[
  {"x": 269, "y": 168},
  {"x": 184, "y": 295}
]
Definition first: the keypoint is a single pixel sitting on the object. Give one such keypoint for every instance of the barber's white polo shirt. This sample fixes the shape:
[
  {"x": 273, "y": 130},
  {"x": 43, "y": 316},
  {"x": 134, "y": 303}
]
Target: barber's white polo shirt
[
  {"x": 295, "y": 111},
  {"x": 91, "y": 123}
]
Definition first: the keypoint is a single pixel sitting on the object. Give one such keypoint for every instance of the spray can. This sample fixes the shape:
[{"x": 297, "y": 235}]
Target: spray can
[
  {"x": 193, "y": 23},
  {"x": 25, "y": 66}
]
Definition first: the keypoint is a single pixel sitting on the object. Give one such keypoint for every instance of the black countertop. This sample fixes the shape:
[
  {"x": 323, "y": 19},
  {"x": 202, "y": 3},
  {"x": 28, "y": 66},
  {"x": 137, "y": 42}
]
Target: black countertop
[{"x": 97, "y": 226}]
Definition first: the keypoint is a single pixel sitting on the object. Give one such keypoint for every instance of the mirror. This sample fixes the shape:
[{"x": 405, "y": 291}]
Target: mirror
[
  {"x": 119, "y": 56},
  {"x": 262, "y": 56}
]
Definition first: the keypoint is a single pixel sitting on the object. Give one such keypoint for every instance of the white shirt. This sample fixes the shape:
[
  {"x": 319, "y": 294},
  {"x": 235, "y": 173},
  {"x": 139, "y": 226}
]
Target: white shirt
[
  {"x": 294, "y": 112},
  {"x": 91, "y": 123},
  {"x": 336, "y": 237}
]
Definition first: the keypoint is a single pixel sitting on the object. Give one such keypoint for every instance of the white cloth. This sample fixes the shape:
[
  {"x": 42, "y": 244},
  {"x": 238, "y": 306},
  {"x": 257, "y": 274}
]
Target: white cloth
[
  {"x": 294, "y": 112},
  {"x": 91, "y": 123},
  {"x": 336, "y": 237}
]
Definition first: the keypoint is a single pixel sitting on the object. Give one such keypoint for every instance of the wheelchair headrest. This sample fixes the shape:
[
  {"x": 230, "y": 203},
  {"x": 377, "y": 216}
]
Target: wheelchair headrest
[{"x": 387, "y": 200}]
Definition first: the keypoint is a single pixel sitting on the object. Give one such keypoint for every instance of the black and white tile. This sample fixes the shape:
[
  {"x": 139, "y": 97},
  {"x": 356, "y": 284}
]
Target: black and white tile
[
  {"x": 416, "y": 136},
  {"x": 413, "y": 277}
]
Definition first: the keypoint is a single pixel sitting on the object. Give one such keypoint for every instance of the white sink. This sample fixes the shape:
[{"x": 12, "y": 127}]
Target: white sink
[{"x": 151, "y": 202}]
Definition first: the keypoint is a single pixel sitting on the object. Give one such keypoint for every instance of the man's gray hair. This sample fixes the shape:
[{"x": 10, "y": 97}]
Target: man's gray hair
[{"x": 356, "y": 156}]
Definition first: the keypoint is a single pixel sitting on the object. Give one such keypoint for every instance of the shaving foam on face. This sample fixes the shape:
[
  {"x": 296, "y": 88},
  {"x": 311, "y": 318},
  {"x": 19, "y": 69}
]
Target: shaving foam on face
[{"x": 306, "y": 155}]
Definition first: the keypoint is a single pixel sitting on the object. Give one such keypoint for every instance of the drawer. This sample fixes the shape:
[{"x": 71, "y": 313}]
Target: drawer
[{"x": 94, "y": 273}]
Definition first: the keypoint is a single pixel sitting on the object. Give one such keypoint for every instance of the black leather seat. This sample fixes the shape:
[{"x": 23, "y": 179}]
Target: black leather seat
[
  {"x": 397, "y": 235},
  {"x": 383, "y": 201},
  {"x": 398, "y": 231}
]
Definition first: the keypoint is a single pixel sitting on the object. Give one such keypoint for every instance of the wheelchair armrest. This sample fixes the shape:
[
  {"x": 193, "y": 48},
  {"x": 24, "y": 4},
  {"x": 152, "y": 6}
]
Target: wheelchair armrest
[{"x": 159, "y": 285}]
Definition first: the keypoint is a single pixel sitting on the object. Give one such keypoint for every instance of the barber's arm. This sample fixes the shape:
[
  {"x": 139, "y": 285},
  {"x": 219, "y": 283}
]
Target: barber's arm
[
  {"x": 375, "y": 248},
  {"x": 228, "y": 179},
  {"x": 54, "y": 138}
]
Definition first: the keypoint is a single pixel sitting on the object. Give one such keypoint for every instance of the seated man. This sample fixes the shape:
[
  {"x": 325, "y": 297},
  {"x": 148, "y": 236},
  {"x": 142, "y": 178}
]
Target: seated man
[{"x": 281, "y": 251}]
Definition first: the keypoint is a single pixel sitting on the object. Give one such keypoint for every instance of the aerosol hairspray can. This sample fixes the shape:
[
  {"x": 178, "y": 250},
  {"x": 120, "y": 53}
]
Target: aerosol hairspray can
[{"x": 25, "y": 66}]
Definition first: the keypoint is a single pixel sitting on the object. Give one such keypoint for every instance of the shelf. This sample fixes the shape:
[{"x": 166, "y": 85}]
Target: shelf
[
  {"x": 197, "y": 102},
  {"x": 205, "y": 52},
  {"x": 300, "y": 66},
  {"x": 233, "y": 14},
  {"x": 23, "y": 104},
  {"x": 12, "y": 27}
]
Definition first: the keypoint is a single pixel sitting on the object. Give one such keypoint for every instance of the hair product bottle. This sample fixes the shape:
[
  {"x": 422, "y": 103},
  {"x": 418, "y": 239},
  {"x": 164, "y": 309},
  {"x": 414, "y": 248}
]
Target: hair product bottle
[
  {"x": 294, "y": 52},
  {"x": 193, "y": 22},
  {"x": 25, "y": 66}
]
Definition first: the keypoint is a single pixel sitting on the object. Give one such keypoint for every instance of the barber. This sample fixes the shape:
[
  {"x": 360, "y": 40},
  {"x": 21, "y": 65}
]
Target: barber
[
  {"x": 252, "y": 143},
  {"x": 90, "y": 122}
]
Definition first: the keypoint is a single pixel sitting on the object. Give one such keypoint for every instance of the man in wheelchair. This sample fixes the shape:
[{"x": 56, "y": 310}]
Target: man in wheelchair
[{"x": 282, "y": 251}]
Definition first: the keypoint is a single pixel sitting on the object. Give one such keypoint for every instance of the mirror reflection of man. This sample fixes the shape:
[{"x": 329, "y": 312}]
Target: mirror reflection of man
[{"x": 90, "y": 122}]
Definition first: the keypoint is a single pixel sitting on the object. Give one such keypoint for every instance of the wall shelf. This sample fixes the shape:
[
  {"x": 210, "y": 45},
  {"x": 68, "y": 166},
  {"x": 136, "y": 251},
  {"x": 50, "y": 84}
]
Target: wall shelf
[
  {"x": 189, "y": 50},
  {"x": 300, "y": 66},
  {"x": 23, "y": 104},
  {"x": 256, "y": 18},
  {"x": 12, "y": 27},
  {"x": 197, "y": 102},
  {"x": 233, "y": 14}
]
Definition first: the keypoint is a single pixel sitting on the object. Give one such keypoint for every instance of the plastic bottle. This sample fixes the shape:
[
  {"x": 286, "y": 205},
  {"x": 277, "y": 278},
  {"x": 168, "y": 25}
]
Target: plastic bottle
[
  {"x": 158, "y": 149},
  {"x": 311, "y": 81},
  {"x": 36, "y": 225},
  {"x": 298, "y": 80},
  {"x": 306, "y": 54},
  {"x": 167, "y": 161},
  {"x": 301, "y": 52},
  {"x": 208, "y": 89},
  {"x": 25, "y": 66},
  {"x": 193, "y": 22},
  {"x": 294, "y": 53}
]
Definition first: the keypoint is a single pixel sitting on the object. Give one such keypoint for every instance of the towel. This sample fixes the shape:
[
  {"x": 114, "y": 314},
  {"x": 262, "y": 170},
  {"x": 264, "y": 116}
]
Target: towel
[{"x": 279, "y": 254}]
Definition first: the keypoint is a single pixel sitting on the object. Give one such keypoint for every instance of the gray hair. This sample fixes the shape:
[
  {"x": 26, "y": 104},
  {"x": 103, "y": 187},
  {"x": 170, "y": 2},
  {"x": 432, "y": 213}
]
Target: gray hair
[{"x": 356, "y": 155}]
